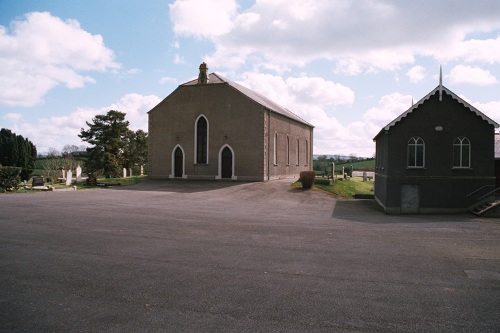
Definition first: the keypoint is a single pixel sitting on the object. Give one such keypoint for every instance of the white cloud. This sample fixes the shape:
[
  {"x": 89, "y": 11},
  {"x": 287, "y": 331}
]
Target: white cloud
[
  {"x": 41, "y": 52},
  {"x": 58, "y": 131},
  {"x": 14, "y": 117},
  {"x": 202, "y": 18},
  {"x": 295, "y": 92},
  {"x": 416, "y": 74},
  {"x": 359, "y": 36},
  {"x": 461, "y": 74},
  {"x": 490, "y": 109},
  {"x": 178, "y": 59}
]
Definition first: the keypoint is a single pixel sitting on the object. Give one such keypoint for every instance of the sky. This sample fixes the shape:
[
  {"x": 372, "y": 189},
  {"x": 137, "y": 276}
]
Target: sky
[{"x": 347, "y": 67}]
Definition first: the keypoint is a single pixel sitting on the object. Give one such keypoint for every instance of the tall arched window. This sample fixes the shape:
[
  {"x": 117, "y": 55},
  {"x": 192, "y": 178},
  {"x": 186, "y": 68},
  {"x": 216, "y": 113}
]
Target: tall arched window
[
  {"x": 307, "y": 152},
  {"x": 201, "y": 148},
  {"x": 298, "y": 151},
  {"x": 416, "y": 152},
  {"x": 287, "y": 150},
  {"x": 461, "y": 152},
  {"x": 275, "y": 149}
]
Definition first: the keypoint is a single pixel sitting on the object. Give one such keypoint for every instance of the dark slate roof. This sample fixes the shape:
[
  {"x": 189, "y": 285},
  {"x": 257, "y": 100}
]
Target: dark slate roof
[
  {"x": 256, "y": 97},
  {"x": 444, "y": 91}
]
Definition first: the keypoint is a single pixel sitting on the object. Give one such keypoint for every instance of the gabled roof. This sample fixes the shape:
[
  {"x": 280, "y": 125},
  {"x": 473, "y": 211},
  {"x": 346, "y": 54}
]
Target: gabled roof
[
  {"x": 214, "y": 78},
  {"x": 441, "y": 89}
]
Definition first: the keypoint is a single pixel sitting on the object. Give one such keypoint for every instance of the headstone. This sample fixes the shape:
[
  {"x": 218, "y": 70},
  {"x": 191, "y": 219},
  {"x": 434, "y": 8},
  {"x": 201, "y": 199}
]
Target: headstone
[
  {"x": 78, "y": 174},
  {"x": 142, "y": 170},
  {"x": 130, "y": 172},
  {"x": 69, "y": 177},
  {"x": 63, "y": 174},
  {"x": 91, "y": 180},
  {"x": 37, "y": 181},
  {"x": 124, "y": 172}
]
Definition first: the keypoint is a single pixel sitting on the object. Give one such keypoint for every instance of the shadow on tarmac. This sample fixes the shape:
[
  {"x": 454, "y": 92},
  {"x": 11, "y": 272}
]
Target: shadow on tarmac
[
  {"x": 179, "y": 186},
  {"x": 368, "y": 211}
]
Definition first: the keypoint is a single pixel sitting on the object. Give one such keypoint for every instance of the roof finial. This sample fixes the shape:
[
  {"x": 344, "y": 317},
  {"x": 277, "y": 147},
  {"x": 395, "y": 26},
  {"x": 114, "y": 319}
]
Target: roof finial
[{"x": 440, "y": 83}]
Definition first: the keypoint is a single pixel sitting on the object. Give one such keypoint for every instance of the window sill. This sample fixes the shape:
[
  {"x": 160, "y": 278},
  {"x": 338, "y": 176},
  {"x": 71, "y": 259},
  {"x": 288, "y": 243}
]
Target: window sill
[
  {"x": 461, "y": 168},
  {"x": 416, "y": 168}
]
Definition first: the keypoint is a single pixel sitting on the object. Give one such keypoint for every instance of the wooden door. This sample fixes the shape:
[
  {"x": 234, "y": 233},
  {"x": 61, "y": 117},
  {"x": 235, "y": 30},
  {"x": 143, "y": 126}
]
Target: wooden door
[
  {"x": 178, "y": 162},
  {"x": 226, "y": 163}
]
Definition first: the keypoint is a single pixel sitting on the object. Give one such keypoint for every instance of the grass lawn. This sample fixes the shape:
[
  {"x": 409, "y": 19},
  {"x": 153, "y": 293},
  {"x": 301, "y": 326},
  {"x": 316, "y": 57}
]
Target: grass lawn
[
  {"x": 83, "y": 185},
  {"x": 344, "y": 188}
]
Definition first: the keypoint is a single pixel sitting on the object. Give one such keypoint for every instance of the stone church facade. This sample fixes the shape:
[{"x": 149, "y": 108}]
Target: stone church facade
[{"x": 212, "y": 128}]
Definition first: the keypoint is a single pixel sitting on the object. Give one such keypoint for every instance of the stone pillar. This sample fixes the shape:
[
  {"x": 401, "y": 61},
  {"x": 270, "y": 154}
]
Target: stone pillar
[{"x": 124, "y": 173}]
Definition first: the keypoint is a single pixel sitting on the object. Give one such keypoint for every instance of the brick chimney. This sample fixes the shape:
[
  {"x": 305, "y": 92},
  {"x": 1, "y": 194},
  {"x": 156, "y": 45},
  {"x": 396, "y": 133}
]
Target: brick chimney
[{"x": 203, "y": 76}]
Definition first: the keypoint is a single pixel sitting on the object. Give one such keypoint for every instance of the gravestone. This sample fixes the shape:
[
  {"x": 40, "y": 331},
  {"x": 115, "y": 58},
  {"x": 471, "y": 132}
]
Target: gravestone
[
  {"x": 142, "y": 170},
  {"x": 130, "y": 172},
  {"x": 78, "y": 174},
  {"x": 69, "y": 177},
  {"x": 91, "y": 180},
  {"x": 37, "y": 181},
  {"x": 124, "y": 173}
]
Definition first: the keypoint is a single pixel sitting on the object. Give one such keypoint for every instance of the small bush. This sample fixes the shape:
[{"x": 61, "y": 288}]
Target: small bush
[
  {"x": 307, "y": 178},
  {"x": 9, "y": 176}
]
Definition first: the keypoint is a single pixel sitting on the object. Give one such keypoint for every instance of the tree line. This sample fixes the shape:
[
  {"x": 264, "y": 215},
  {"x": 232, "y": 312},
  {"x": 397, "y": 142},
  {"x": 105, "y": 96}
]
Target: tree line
[
  {"x": 113, "y": 146},
  {"x": 17, "y": 151}
]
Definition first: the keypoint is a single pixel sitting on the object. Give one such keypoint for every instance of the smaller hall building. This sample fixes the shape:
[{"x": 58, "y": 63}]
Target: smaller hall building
[
  {"x": 212, "y": 129},
  {"x": 437, "y": 157}
]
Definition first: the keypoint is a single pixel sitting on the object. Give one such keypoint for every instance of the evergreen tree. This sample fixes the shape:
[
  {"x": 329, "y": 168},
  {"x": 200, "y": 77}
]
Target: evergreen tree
[
  {"x": 17, "y": 151},
  {"x": 136, "y": 151},
  {"x": 108, "y": 135}
]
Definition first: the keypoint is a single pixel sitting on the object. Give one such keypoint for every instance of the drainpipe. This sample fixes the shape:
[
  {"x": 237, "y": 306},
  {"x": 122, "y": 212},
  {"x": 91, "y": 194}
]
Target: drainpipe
[
  {"x": 268, "y": 144},
  {"x": 311, "y": 149}
]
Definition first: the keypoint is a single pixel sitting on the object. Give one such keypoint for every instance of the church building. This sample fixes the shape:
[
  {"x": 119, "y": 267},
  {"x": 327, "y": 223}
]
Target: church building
[
  {"x": 436, "y": 157},
  {"x": 212, "y": 129}
]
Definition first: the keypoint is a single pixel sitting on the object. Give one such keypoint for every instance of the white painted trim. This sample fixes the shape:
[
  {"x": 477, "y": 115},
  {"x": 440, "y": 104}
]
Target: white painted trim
[
  {"x": 172, "y": 170},
  {"x": 219, "y": 172}
]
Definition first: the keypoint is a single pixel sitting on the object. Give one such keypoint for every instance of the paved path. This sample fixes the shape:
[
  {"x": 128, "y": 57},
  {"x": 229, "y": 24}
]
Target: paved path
[{"x": 175, "y": 256}]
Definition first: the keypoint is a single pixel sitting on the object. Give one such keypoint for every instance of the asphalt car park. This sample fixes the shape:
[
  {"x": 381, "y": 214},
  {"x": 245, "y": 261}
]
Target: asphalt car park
[{"x": 188, "y": 256}]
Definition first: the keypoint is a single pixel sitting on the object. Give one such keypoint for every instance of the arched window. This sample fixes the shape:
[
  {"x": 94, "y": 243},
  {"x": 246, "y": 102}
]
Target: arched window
[
  {"x": 287, "y": 150},
  {"x": 461, "y": 152},
  {"x": 416, "y": 152},
  {"x": 201, "y": 140},
  {"x": 275, "y": 149},
  {"x": 298, "y": 151},
  {"x": 307, "y": 152}
]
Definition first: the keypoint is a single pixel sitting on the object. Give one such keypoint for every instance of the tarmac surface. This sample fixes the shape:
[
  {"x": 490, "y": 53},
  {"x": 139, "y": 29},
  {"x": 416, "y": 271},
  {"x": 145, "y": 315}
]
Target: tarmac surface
[{"x": 187, "y": 256}]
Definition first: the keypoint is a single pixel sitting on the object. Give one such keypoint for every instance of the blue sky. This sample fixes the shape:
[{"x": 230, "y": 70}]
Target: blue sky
[{"x": 347, "y": 67}]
